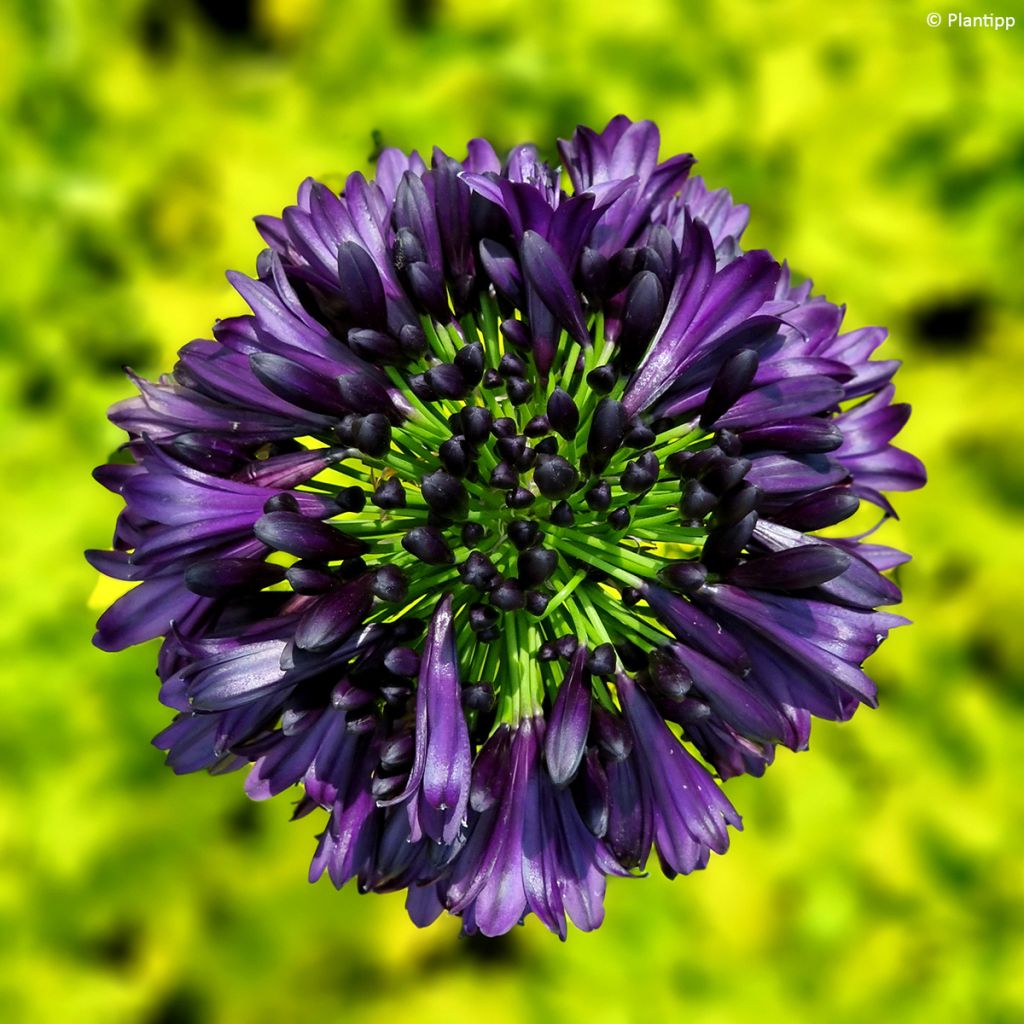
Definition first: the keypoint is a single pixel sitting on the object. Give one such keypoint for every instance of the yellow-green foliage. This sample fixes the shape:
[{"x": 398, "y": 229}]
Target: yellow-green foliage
[{"x": 880, "y": 874}]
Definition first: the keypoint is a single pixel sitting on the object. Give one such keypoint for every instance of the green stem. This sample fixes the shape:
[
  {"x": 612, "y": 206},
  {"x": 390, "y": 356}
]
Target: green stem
[
  {"x": 613, "y": 553},
  {"x": 559, "y": 599},
  {"x": 630, "y": 620}
]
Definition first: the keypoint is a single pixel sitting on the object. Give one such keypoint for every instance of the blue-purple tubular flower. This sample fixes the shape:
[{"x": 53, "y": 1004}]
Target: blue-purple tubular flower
[
  {"x": 438, "y": 786},
  {"x": 496, "y": 526}
]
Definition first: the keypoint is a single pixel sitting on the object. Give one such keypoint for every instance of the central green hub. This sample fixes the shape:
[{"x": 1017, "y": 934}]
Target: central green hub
[{"x": 533, "y": 499}]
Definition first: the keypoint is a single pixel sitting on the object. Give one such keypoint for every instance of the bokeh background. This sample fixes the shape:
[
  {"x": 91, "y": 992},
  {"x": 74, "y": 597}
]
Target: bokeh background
[{"x": 880, "y": 875}]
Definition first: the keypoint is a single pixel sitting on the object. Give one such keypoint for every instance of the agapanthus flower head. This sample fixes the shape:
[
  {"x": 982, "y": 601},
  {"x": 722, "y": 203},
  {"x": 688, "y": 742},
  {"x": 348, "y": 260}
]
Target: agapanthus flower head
[{"x": 494, "y": 527}]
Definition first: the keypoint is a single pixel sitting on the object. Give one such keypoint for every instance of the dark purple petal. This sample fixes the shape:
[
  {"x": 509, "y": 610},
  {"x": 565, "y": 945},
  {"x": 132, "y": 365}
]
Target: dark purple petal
[
  {"x": 415, "y": 211},
  {"x": 440, "y": 777},
  {"x": 549, "y": 276},
  {"x": 806, "y": 434},
  {"x": 789, "y": 398},
  {"x": 306, "y": 538},
  {"x": 335, "y": 616},
  {"x": 236, "y": 677},
  {"x": 147, "y": 611},
  {"x": 297, "y": 384},
  {"x": 792, "y": 569},
  {"x": 503, "y": 270},
  {"x": 782, "y": 474},
  {"x": 694, "y": 627},
  {"x": 730, "y": 383},
  {"x": 731, "y": 697},
  {"x": 361, "y": 286},
  {"x": 630, "y": 812},
  {"x": 221, "y": 577},
  {"x": 565, "y": 739},
  {"x": 700, "y": 307},
  {"x": 691, "y": 813}
]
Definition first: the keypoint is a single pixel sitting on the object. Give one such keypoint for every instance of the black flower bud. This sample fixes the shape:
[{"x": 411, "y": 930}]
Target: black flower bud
[
  {"x": 546, "y": 651},
  {"x": 607, "y": 430},
  {"x": 469, "y": 361},
  {"x": 601, "y": 660},
  {"x": 599, "y": 497},
  {"x": 421, "y": 388},
  {"x": 697, "y": 500},
  {"x": 478, "y": 697},
  {"x": 668, "y": 677},
  {"x": 555, "y": 477},
  {"x": 504, "y": 476},
  {"x": 562, "y": 514},
  {"x": 538, "y": 426},
  {"x": 566, "y": 645},
  {"x": 516, "y": 334},
  {"x": 476, "y": 424},
  {"x": 447, "y": 381},
  {"x": 454, "y": 456},
  {"x": 309, "y": 578},
  {"x": 389, "y": 494},
  {"x": 427, "y": 543},
  {"x": 402, "y": 661},
  {"x": 508, "y": 596},
  {"x": 602, "y": 379},
  {"x": 375, "y": 346},
  {"x": 221, "y": 577},
  {"x": 645, "y": 305},
  {"x": 684, "y": 577},
  {"x": 477, "y": 571},
  {"x": 510, "y": 448},
  {"x": 481, "y": 616},
  {"x": 511, "y": 366},
  {"x": 523, "y": 533},
  {"x": 730, "y": 383},
  {"x": 535, "y": 566},
  {"x": 619, "y": 519},
  {"x": 725, "y": 543},
  {"x": 390, "y": 584},
  {"x": 563, "y": 415},
  {"x": 526, "y": 459},
  {"x": 639, "y": 436},
  {"x": 504, "y": 426},
  {"x": 736, "y": 504},
  {"x": 412, "y": 340},
  {"x": 373, "y": 435},
  {"x": 472, "y": 534},
  {"x": 445, "y": 495},
  {"x": 594, "y": 274},
  {"x": 408, "y": 249},
  {"x": 351, "y": 499},
  {"x": 729, "y": 442},
  {"x": 281, "y": 503},
  {"x": 520, "y": 497},
  {"x": 520, "y": 390},
  {"x": 724, "y": 474}
]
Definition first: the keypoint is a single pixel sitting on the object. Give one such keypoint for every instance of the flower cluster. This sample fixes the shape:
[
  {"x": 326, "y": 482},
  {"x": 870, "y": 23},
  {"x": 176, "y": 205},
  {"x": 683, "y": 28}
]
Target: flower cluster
[{"x": 494, "y": 526}]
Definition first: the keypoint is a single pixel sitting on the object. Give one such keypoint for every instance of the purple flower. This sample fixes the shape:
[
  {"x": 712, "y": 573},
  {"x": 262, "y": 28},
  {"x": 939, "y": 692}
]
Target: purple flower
[
  {"x": 689, "y": 811},
  {"x": 528, "y": 848},
  {"x": 494, "y": 525},
  {"x": 438, "y": 785}
]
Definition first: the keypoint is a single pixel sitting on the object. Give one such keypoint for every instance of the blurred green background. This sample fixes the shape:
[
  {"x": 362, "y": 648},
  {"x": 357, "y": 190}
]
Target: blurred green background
[{"x": 880, "y": 875}]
